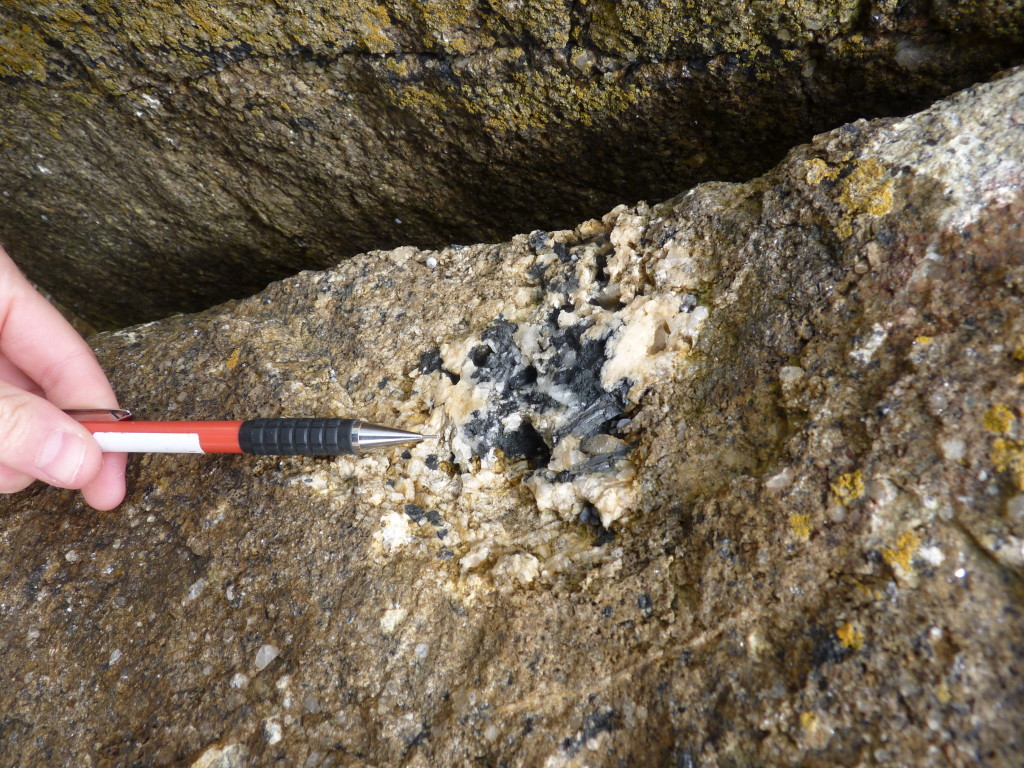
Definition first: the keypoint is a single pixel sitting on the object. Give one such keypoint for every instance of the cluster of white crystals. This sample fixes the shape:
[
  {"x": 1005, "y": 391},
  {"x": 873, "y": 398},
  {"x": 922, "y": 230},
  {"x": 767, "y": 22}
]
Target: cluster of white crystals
[{"x": 601, "y": 316}]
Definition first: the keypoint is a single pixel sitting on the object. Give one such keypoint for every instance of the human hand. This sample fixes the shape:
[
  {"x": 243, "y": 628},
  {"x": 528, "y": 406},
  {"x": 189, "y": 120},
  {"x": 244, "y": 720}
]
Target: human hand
[{"x": 46, "y": 366}]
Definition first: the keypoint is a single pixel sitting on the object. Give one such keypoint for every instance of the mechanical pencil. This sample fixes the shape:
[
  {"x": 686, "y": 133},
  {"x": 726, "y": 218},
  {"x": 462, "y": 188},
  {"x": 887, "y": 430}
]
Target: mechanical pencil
[{"x": 267, "y": 437}]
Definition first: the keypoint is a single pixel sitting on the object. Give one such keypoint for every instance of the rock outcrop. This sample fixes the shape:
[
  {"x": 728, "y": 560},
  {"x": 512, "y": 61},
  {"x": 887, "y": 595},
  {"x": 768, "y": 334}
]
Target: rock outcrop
[
  {"x": 163, "y": 156},
  {"x": 737, "y": 478}
]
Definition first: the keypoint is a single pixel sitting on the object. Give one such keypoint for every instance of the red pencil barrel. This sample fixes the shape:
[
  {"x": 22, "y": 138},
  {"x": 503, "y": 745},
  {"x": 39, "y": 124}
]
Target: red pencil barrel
[{"x": 214, "y": 436}]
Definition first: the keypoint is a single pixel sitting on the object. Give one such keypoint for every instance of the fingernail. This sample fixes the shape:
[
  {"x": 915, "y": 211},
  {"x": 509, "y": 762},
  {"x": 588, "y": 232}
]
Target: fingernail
[{"x": 61, "y": 458}]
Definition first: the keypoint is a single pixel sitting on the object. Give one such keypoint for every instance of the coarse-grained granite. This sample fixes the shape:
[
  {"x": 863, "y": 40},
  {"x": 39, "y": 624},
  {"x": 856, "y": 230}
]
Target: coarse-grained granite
[
  {"x": 734, "y": 479},
  {"x": 162, "y": 156}
]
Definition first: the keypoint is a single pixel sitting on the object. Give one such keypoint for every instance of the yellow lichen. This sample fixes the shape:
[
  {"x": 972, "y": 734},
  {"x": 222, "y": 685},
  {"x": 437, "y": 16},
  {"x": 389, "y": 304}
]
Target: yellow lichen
[
  {"x": 232, "y": 360},
  {"x": 808, "y": 720},
  {"x": 903, "y": 551},
  {"x": 187, "y": 29},
  {"x": 445, "y": 22},
  {"x": 850, "y": 637},
  {"x": 528, "y": 100},
  {"x": 999, "y": 419},
  {"x": 424, "y": 101},
  {"x": 22, "y": 53},
  {"x": 818, "y": 170},
  {"x": 663, "y": 30},
  {"x": 871, "y": 593},
  {"x": 1008, "y": 455},
  {"x": 942, "y": 693},
  {"x": 923, "y": 340},
  {"x": 867, "y": 190},
  {"x": 397, "y": 66},
  {"x": 372, "y": 23},
  {"x": 848, "y": 487},
  {"x": 800, "y": 525}
]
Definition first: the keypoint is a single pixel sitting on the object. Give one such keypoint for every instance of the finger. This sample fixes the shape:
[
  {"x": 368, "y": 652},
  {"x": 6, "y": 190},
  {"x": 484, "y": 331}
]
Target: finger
[
  {"x": 38, "y": 348},
  {"x": 12, "y": 374},
  {"x": 107, "y": 489},
  {"x": 40, "y": 342},
  {"x": 12, "y": 481},
  {"x": 43, "y": 442}
]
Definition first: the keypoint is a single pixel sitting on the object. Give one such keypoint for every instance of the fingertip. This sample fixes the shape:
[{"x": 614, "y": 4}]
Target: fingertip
[
  {"x": 101, "y": 502},
  {"x": 107, "y": 490},
  {"x": 68, "y": 458}
]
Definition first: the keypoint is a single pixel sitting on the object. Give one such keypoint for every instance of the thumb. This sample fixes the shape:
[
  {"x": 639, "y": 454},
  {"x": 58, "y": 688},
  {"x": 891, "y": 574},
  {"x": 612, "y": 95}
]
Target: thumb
[{"x": 39, "y": 440}]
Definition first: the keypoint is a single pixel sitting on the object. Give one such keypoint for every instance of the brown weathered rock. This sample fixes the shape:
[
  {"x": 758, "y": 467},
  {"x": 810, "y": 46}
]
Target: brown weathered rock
[
  {"x": 758, "y": 498},
  {"x": 158, "y": 157}
]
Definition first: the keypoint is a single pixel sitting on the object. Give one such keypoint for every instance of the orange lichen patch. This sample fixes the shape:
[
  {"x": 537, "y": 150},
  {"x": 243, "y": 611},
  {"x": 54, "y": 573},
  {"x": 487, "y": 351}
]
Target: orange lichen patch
[
  {"x": 848, "y": 487},
  {"x": 232, "y": 360},
  {"x": 1008, "y": 455},
  {"x": 850, "y": 637},
  {"x": 800, "y": 525},
  {"x": 904, "y": 550},
  {"x": 999, "y": 419}
]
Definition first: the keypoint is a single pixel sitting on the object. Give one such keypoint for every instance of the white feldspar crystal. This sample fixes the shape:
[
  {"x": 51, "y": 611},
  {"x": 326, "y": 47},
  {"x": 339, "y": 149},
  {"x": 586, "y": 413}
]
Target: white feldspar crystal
[
  {"x": 517, "y": 568},
  {"x": 220, "y": 757},
  {"x": 195, "y": 590},
  {"x": 652, "y": 331},
  {"x": 391, "y": 619},
  {"x": 953, "y": 448},
  {"x": 272, "y": 731},
  {"x": 780, "y": 481},
  {"x": 396, "y": 531},
  {"x": 790, "y": 374},
  {"x": 864, "y": 352},
  {"x": 239, "y": 680},
  {"x": 266, "y": 654},
  {"x": 475, "y": 557}
]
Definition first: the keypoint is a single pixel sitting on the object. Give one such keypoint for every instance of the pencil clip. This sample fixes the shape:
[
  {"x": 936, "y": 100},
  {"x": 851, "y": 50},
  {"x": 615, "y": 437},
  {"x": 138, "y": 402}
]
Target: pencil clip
[{"x": 98, "y": 414}]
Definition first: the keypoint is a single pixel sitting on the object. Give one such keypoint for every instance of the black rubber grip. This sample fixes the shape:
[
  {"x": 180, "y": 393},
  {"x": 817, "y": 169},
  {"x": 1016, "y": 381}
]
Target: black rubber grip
[{"x": 296, "y": 437}]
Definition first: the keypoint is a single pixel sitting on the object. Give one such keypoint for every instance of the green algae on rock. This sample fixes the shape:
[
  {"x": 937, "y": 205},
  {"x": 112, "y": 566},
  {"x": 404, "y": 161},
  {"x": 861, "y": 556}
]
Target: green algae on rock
[
  {"x": 730, "y": 479},
  {"x": 183, "y": 153}
]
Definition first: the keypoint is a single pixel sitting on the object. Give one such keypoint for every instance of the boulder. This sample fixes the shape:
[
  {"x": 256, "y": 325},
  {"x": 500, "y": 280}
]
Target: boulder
[
  {"x": 160, "y": 157},
  {"x": 732, "y": 479}
]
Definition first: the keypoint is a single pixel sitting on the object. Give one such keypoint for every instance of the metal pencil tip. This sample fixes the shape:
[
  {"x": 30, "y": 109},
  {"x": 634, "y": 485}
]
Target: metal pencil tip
[{"x": 369, "y": 436}]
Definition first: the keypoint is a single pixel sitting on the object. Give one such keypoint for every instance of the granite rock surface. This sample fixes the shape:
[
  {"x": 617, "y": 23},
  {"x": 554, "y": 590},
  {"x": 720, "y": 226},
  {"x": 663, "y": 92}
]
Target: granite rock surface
[
  {"x": 733, "y": 479},
  {"x": 166, "y": 156}
]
